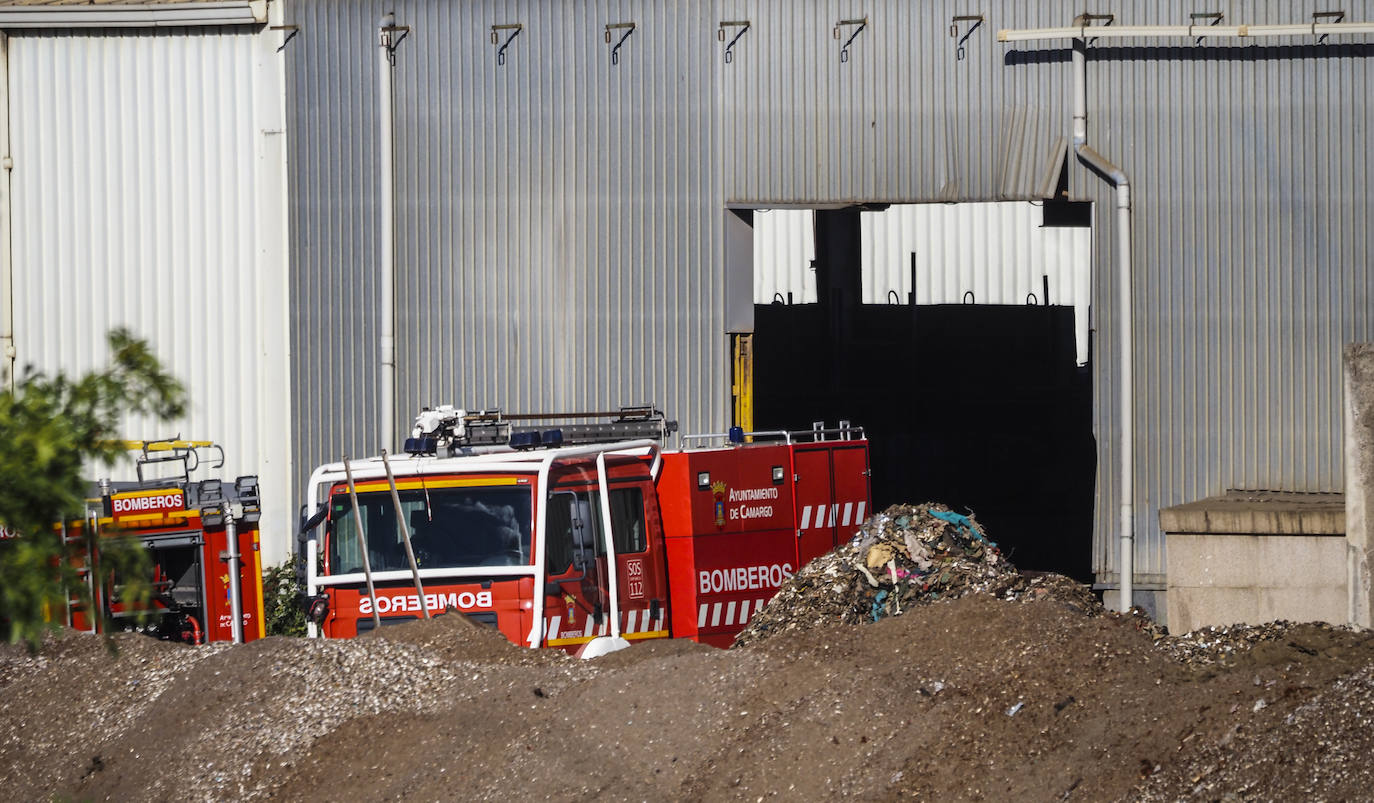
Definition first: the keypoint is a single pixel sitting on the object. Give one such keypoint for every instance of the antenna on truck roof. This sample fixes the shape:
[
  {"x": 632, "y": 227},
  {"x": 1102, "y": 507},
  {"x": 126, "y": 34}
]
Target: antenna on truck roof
[{"x": 447, "y": 427}]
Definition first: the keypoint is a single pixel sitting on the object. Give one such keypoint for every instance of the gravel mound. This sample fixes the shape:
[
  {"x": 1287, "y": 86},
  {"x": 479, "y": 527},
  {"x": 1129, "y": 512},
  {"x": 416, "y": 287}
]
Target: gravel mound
[
  {"x": 914, "y": 663},
  {"x": 452, "y": 635}
]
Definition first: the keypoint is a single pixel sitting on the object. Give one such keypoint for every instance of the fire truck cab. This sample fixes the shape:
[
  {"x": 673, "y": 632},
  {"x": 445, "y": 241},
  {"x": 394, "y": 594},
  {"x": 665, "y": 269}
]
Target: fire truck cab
[{"x": 560, "y": 544}]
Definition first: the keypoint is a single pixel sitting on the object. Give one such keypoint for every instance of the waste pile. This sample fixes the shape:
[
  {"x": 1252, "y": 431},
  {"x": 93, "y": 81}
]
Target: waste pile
[{"x": 905, "y": 556}]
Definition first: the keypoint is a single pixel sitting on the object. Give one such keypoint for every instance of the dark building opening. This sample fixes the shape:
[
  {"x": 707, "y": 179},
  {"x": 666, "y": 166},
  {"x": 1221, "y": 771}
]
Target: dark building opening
[{"x": 981, "y": 407}]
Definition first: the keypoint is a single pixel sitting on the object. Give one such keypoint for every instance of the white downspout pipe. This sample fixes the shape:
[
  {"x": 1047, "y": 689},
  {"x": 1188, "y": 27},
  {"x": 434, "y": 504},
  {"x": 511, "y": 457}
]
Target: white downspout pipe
[
  {"x": 6, "y": 232},
  {"x": 386, "y": 233},
  {"x": 1114, "y": 174},
  {"x": 231, "y": 538}
]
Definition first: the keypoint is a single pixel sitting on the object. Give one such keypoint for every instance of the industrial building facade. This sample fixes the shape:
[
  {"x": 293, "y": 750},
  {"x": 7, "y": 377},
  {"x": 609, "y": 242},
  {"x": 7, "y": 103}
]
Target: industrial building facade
[{"x": 577, "y": 195}]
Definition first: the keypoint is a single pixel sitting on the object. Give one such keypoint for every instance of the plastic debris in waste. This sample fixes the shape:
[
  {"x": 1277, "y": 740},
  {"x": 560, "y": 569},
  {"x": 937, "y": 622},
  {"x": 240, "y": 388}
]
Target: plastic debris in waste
[{"x": 902, "y": 557}]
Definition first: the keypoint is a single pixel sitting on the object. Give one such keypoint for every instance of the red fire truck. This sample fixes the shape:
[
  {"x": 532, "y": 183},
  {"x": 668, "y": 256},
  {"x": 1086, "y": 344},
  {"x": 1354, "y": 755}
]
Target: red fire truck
[
  {"x": 202, "y": 537},
  {"x": 559, "y": 536}
]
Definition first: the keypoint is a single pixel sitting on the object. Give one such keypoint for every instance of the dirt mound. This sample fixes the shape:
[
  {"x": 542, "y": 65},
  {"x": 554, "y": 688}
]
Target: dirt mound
[
  {"x": 989, "y": 685},
  {"x": 1330, "y": 734},
  {"x": 979, "y": 697},
  {"x": 455, "y": 636}
]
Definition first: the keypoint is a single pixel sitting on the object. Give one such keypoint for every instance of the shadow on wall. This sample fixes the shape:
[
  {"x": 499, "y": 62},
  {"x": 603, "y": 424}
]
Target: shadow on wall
[{"x": 980, "y": 407}]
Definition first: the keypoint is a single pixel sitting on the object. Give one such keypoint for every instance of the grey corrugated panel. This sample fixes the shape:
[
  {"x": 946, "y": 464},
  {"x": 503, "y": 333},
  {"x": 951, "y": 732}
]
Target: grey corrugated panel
[
  {"x": 1247, "y": 164},
  {"x": 562, "y": 163},
  {"x": 331, "y": 104},
  {"x": 803, "y": 127},
  {"x": 557, "y": 245},
  {"x": 588, "y": 190}
]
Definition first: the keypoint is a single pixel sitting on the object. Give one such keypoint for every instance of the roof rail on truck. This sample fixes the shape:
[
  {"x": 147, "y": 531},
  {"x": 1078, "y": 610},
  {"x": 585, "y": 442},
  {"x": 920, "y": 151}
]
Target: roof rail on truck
[
  {"x": 459, "y": 431},
  {"x": 818, "y": 432}
]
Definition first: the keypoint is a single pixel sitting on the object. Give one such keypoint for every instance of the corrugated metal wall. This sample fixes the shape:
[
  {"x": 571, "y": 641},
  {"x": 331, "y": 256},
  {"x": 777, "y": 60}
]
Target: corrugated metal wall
[
  {"x": 136, "y": 201},
  {"x": 1248, "y": 165},
  {"x": 1250, "y": 173},
  {"x": 558, "y": 217},
  {"x": 904, "y": 118},
  {"x": 557, "y": 213}
]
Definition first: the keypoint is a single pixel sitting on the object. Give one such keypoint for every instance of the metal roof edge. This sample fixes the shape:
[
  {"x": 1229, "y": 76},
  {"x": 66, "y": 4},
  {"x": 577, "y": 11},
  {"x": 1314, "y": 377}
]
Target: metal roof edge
[{"x": 111, "y": 15}]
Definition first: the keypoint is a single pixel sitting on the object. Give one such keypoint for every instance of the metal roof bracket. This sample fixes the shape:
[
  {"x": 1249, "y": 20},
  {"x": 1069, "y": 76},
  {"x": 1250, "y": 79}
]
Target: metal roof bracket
[
  {"x": 515, "y": 28},
  {"x": 294, "y": 29},
  {"x": 391, "y": 42},
  {"x": 1325, "y": 16},
  {"x": 743, "y": 26},
  {"x": 1215, "y": 16},
  {"x": 844, "y": 49},
  {"x": 629, "y": 28},
  {"x": 976, "y": 19}
]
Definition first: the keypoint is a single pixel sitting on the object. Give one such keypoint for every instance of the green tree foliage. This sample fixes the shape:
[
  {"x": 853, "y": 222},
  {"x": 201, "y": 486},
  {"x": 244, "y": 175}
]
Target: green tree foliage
[
  {"x": 51, "y": 428},
  {"x": 281, "y": 593}
]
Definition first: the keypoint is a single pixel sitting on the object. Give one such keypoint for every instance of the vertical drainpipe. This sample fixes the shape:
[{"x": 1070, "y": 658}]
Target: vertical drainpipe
[
  {"x": 231, "y": 539},
  {"x": 386, "y": 233},
  {"x": 6, "y": 233},
  {"x": 1117, "y": 177}
]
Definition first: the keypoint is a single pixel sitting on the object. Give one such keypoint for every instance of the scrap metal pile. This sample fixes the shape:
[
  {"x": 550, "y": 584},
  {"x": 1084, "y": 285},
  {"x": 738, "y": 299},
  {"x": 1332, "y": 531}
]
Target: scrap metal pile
[{"x": 905, "y": 556}]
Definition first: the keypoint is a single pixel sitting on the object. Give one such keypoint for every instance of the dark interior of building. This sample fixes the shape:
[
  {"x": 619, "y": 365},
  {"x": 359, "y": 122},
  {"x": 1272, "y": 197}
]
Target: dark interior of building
[{"x": 981, "y": 407}]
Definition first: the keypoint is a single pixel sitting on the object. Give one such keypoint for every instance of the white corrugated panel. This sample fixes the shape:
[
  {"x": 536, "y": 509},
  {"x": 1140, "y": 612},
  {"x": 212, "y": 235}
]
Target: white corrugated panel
[
  {"x": 984, "y": 253},
  {"x": 140, "y": 183},
  {"x": 784, "y": 247}
]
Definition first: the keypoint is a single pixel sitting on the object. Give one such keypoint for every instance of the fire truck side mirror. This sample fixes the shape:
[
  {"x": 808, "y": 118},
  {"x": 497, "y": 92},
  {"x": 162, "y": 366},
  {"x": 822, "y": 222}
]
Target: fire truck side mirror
[
  {"x": 314, "y": 521},
  {"x": 317, "y": 608}
]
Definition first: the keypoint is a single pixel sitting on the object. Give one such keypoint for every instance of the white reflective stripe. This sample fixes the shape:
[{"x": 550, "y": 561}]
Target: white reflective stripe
[
  {"x": 730, "y": 613},
  {"x": 605, "y": 629},
  {"x": 848, "y": 508},
  {"x": 632, "y": 618},
  {"x": 715, "y": 614},
  {"x": 859, "y": 517},
  {"x": 744, "y": 612},
  {"x": 833, "y": 510},
  {"x": 553, "y": 626},
  {"x": 587, "y": 631},
  {"x": 701, "y": 617},
  {"x": 806, "y": 517}
]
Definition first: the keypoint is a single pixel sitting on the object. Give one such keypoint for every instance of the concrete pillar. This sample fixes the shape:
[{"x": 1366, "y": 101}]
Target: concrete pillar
[{"x": 1359, "y": 480}]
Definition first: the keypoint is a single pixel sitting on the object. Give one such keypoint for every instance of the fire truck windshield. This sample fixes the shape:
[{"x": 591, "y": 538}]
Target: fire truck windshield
[{"x": 449, "y": 528}]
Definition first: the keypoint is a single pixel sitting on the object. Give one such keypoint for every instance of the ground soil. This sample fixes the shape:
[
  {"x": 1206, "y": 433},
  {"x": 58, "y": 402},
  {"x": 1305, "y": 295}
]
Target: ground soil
[{"x": 977, "y": 698}]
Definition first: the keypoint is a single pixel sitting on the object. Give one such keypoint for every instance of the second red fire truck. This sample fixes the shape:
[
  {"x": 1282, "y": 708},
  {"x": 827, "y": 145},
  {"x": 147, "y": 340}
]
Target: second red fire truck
[{"x": 561, "y": 536}]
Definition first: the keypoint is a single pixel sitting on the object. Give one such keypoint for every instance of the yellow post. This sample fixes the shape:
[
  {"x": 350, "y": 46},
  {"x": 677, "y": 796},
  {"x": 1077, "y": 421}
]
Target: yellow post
[{"x": 742, "y": 358}]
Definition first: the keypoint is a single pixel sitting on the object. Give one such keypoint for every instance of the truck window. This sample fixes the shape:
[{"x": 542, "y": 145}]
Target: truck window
[
  {"x": 627, "y": 520},
  {"x": 565, "y": 549},
  {"x": 559, "y": 523},
  {"x": 449, "y": 528}
]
